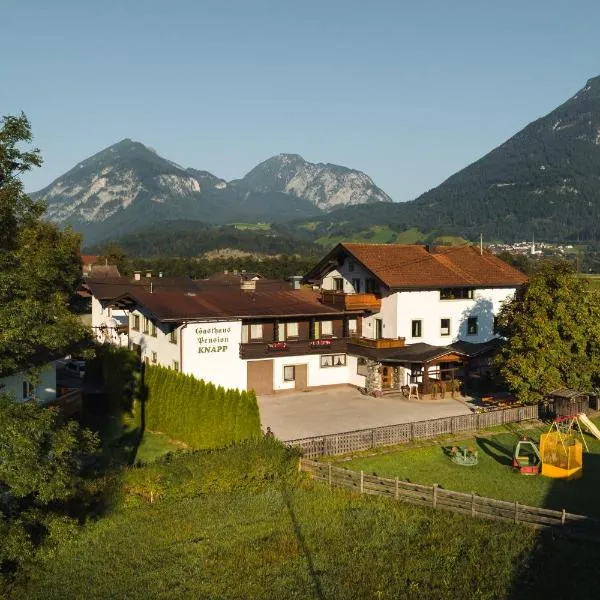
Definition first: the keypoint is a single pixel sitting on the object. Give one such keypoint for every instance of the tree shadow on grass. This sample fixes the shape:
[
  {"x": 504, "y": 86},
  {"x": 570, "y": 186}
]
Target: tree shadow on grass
[
  {"x": 558, "y": 565},
  {"x": 495, "y": 450},
  {"x": 287, "y": 497}
]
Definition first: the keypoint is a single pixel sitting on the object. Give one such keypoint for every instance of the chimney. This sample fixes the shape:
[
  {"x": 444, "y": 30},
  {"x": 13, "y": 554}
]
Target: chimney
[
  {"x": 137, "y": 275},
  {"x": 295, "y": 281},
  {"x": 148, "y": 273},
  {"x": 248, "y": 285},
  {"x": 225, "y": 272},
  {"x": 235, "y": 272},
  {"x": 427, "y": 248},
  {"x": 160, "y": 273}
]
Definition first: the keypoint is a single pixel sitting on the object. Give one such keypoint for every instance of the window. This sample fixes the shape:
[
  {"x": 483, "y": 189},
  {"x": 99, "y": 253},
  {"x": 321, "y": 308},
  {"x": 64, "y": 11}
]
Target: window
[
  {"x": 472, "y": 326},
  {"x": 333, "y": 360},
  {"x": 456, "y": 294},
  {"x": 351, "y": 266},
  {"x": 154, "y": 358},
  {"x": 173, "y": 335},
  {"x": 256, "y": 331},
  {"x": 338, "y": 284},
  {"x": 445, "y": 327},
  {"x": 371, "y": 286},
  {"x": 289, "y": 373},
  {"x": 146, "y": 324},
  {"x": 291, "y": 330},
  {"x": 356, "y": 285},
  {"x": 176, "y": 365},
  {"x": 326, "y": 328},
  {"x": 361, "y": 367},
  {"x": 153, "y": 329},
  {"x": 416, "y": 328},
  {"x": 352, "y": 326},
  {"x": 136, "y": 323}
]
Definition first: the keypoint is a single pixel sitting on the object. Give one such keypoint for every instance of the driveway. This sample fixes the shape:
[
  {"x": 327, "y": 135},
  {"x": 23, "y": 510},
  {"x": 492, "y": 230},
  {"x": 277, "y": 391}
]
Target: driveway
[{"x": 305, "y": 414}]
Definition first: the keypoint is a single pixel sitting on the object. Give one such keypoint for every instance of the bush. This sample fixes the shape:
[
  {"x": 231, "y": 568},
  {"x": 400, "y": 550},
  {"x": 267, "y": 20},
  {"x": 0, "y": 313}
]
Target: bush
[{"x": 200, "y": 414}]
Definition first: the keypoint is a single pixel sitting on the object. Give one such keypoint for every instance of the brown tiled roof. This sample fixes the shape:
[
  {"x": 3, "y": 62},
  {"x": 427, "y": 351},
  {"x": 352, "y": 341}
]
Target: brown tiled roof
[
  {"x": 108, "y": 288},
  {"x": 415, "y": 267},
  {"x": 89, "y": 259},
  {"x": 226, "y": 302}
]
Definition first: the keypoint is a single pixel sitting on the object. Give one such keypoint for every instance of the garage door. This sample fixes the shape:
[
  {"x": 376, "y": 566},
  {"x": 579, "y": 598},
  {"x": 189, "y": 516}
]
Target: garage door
[{"x": 260, "y": 376}]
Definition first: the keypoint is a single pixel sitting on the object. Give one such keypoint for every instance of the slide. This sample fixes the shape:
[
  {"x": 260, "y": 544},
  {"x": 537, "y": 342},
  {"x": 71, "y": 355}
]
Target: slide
[{"x": 587, "y": 423}]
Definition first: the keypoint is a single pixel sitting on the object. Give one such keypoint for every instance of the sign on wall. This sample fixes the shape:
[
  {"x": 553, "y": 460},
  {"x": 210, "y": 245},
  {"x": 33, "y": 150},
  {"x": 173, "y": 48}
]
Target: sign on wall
[{"x": 213, "y": 339}]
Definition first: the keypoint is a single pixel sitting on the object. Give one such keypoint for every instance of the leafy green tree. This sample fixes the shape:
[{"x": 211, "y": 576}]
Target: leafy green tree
[
  {"x": 113, "y": 254},
  {"x": 553, "y": 332},
  {"x": 41, "y": 467},
  {"x": 39, "y": 266}
]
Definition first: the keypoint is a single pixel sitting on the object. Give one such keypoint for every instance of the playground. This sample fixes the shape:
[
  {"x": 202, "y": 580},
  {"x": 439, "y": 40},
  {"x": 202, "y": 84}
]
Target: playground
[{"x": 485, "y": 464}]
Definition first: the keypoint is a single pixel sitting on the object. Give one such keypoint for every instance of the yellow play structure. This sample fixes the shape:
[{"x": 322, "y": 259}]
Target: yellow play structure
[{"x": 560, "y": 450}]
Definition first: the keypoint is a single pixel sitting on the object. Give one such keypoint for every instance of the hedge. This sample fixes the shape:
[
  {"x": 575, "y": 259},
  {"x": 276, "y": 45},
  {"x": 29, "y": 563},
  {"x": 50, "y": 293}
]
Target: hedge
[{"x": 200, "y": 414}]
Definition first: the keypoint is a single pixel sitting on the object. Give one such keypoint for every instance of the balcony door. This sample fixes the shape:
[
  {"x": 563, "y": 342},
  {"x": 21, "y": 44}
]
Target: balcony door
[{"x": 378, "y": 329}]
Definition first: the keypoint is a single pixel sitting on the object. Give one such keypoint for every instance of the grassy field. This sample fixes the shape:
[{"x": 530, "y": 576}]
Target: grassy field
[
  {"x": 594, "y": 281},
  {"x": 241, "y": 523},
  {"x": 377, "y": 234},
  {"x": 493, "y": 476},
  {"x": 252, "y": 226}
]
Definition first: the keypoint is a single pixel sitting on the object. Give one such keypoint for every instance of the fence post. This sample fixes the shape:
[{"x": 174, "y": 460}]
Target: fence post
[
  {"x": 472, "y": 504},
  {"x": 563, "y": 517},
  {"x": 516, "y": 511},
  {"x": 373, "y": 433},
  {"x": 412, "y": 432},
  {"x": 434, "y": 498},
  {"x": 362, "y": 482},
  {"x": 300, "y": 465},
  {"x": 329, "y": 473},
  {"x": 397, "y": 492}
]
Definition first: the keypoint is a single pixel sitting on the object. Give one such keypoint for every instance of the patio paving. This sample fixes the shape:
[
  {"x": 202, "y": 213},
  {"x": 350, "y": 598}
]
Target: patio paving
[{"x": 318, "y": 412}]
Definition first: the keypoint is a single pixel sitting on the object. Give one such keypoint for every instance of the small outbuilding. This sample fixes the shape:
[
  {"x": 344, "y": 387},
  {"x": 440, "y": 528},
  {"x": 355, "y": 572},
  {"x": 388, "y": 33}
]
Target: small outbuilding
[{"x": 563, "y": 402}]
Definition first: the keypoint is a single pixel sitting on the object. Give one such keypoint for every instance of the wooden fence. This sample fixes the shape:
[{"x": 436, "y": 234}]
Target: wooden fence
[
  {"x": 433, "y": 496},
  {"x": 389, "y": 435}
]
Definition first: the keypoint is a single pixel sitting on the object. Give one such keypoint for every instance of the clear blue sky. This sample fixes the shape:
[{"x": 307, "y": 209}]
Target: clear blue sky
[{"x": 407, "y": 91}]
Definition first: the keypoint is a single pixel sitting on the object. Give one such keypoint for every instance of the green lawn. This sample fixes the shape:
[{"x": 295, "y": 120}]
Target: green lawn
[
  {"x": 494, "y": 476},
  {"x": 241, "y": 523},
  {"x": 594, "y": 281}
]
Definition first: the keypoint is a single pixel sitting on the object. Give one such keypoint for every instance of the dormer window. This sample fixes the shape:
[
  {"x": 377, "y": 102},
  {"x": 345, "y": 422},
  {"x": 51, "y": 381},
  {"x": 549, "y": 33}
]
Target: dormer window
[
  {"x": 351, "y": 266},
  {"x": 338, "y": 284}
]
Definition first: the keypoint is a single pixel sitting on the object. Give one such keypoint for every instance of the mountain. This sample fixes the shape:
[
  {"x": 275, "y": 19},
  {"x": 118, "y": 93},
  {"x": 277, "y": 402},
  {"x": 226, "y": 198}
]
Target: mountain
[
  {"x": 543, "y": 182},
  {"x": 128, "y": 186},
  {"x": 325, "y": 185}
]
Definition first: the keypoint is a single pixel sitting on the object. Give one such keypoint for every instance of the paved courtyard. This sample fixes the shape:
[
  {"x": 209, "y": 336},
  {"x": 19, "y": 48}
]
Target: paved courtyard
[{"x": 306, "y": 414}]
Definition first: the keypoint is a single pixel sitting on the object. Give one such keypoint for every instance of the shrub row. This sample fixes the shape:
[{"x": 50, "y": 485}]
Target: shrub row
[{"x": 199, "y": 414}]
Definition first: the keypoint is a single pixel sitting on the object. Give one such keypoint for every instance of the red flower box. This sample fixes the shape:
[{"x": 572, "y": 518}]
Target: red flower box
[
  {"x": 277, "y": 346},
  {"x": 320, "y": 343}
]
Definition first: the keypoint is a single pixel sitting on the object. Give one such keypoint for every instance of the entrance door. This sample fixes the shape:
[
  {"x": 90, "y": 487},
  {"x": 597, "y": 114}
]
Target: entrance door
[
  {"x": 301, "y": 377},
  {"x": 386, "y": 377},
  {"x": 260, "y": 376},
  {"x": 378, "y": 329}
]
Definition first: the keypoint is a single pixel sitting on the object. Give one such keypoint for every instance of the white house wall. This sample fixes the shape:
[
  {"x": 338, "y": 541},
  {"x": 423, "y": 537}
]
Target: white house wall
[
  {"x": 109, "y": 317},
  {"x": 166, "y": 351},
  {"x": 211, "y": 351},
  {"x": 347, "y": 275},
  {"x": 427, "y": 307},
  {"x": 45, "y": 391}
]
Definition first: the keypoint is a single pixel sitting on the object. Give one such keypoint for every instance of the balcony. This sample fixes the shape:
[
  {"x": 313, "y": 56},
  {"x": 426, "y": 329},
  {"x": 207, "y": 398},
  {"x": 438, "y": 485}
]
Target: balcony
[
  {"x": 342, "y": 301},
  {"x": 293, "y": 348},
  {"x": 380, "y": 344}
]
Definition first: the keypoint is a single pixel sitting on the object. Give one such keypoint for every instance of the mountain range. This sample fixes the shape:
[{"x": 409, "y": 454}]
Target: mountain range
[
  {"x": 544, "y": 181},
  {"x": 128, "y": 186}
]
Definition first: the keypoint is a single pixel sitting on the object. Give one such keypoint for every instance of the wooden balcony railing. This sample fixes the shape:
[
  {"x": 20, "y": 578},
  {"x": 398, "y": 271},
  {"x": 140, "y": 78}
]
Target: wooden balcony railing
[
  {"x": 293, "y": 348},
  {"x": 344, "y": 301},
  {"x": 381, "y": 343}
]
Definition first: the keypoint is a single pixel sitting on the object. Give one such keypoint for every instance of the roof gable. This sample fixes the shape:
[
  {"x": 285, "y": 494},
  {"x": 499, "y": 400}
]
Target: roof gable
[{"x": 405, "y": 266}]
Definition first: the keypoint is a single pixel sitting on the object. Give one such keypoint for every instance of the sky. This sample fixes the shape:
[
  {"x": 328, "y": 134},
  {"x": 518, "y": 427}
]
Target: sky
[{"x": 407, "y": 91}]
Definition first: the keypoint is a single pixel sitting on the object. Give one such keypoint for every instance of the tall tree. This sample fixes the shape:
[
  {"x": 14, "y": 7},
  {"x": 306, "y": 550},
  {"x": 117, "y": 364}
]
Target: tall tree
[
  {"x": 553, "y": 331},
  {"x": 40, "y": 266}
]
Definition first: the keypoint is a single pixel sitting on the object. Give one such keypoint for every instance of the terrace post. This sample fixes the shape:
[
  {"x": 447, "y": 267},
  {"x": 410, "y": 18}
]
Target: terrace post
[{"x": 425, "y": 378}]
